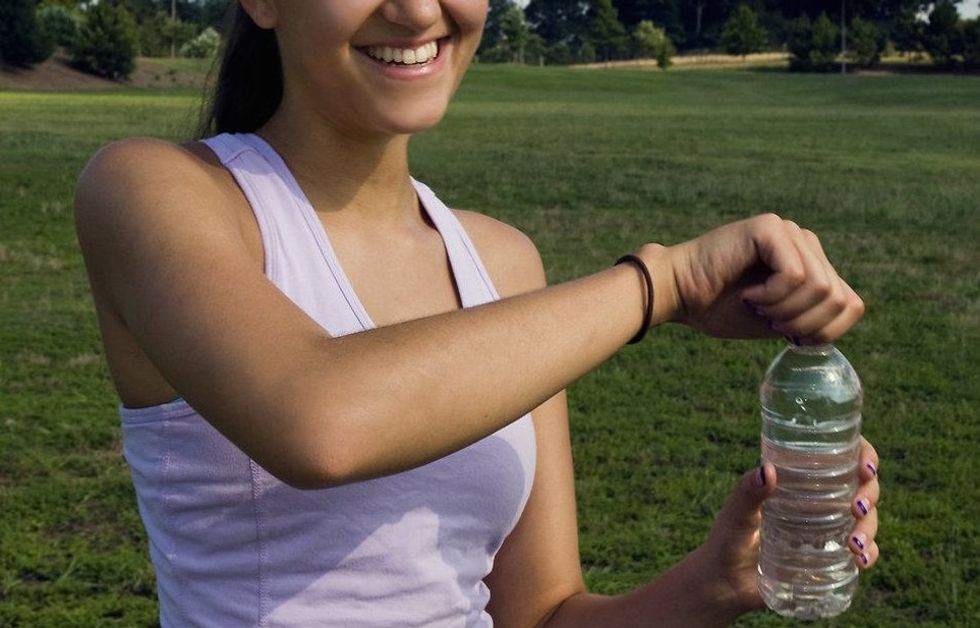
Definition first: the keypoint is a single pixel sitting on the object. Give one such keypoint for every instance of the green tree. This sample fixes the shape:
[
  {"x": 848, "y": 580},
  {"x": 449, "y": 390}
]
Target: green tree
[
  {"x": 908, "y": 32},
  {"x": 971, "y": 43},
  {"x": 515, "y": 31},
  {"x": 864, "y": 46},
  {"x": 204, "y": 46},
  {"x": 799, "y": 41},
  {"x": 942, "y": 34},
  {"x": 824, "y": 44},
  {"x": 650, "y": 41},
  {"x": 742, "y": 34},
  {"x": 58, "y": 23},
  {"x": 106, "y": 42},
  {"x": 586, "y": 53},
  {"x": 606, "y": 32},
  {"x": 559, "y": 20},
  {"x": 492, "y": 33},
  {"x": 558, "y": 54},
  {"x": 22, "y": 41}
]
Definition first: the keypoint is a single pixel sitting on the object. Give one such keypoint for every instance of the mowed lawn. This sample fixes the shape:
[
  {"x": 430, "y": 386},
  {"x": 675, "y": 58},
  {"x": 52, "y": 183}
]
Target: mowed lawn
[{"x": 590, "y": 164}]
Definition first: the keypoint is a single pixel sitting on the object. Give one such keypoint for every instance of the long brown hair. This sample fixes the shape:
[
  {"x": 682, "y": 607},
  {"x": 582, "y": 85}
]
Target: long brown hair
[{"x": 249, "y": 84}]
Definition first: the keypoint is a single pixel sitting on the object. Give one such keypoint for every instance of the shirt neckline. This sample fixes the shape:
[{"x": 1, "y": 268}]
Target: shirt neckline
[{"x": 322, "y": 238}]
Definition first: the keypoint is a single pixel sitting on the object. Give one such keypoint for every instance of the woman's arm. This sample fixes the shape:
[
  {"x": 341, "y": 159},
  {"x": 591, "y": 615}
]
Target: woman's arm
[{"x": 165, "y": 252}]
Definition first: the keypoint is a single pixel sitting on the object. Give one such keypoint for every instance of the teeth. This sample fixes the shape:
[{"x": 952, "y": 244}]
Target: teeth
[{"x": 407, "y": 56}]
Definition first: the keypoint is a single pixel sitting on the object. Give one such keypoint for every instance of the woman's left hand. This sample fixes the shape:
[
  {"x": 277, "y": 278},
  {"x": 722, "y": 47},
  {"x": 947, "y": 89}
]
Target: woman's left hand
[{"x": 731, "y": 553}]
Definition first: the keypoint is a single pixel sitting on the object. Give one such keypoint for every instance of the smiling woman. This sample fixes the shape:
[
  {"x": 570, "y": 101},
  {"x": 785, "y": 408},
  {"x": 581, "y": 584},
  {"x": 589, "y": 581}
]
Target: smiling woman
[{"x": 342, "y": 401}]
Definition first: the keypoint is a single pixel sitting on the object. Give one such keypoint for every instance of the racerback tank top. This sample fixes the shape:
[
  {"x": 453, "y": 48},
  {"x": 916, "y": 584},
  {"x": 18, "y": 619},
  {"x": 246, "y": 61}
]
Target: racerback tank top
[{"x": 234, "y": 546}]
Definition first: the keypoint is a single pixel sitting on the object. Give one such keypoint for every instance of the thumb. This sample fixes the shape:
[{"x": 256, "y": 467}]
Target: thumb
[{"x": 741, "y": 511}]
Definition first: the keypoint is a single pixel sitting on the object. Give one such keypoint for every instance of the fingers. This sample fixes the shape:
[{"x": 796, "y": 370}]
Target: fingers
[
  {"x": 865, "y": 509},
  {"x": 803, "y": 297},
  {"x": 862, "y": 543}
]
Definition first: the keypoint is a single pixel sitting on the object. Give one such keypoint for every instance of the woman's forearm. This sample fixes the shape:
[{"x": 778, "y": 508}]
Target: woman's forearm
[
  {"x": 684, "y": 596},
  {"x": 416, "y": 391}
]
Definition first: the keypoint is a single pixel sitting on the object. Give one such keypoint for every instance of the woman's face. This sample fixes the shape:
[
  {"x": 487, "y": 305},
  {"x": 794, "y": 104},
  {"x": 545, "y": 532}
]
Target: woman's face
[{"x": 388, "y": 66}]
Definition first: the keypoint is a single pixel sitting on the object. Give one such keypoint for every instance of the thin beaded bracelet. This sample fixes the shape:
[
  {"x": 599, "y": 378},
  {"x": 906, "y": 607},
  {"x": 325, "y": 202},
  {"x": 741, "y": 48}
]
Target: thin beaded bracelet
[{"x": 648, "y": 310}]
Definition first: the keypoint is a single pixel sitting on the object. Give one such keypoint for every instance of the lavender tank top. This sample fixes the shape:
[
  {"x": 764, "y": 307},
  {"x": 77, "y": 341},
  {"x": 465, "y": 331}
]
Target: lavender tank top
[{"x": 233, "y": 546}]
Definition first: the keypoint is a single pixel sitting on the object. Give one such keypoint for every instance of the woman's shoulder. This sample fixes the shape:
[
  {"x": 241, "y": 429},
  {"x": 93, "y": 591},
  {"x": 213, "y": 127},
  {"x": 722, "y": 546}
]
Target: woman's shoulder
[
  {"x": 138, "y": 176},
  {"x": 509, "y": 255},
  {"x": 133, "y": 164}
]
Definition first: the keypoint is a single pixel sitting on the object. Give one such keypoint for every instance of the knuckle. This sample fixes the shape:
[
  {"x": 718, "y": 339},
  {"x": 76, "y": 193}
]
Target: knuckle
[{"x": 794, "y": 276}]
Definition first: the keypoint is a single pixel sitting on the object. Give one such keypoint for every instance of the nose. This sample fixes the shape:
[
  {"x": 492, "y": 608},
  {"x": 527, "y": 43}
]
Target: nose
[{"x": 416, "y": 15}]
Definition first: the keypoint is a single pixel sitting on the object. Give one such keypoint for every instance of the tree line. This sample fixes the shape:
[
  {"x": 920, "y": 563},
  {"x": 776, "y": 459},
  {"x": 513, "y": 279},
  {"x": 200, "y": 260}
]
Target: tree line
[
  {"x": 105, "y": 36},
  {"x": 814, "y": 32}
]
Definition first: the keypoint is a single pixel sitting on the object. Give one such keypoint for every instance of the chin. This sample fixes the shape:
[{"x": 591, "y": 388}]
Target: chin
[{"x": 409, "y": 122}]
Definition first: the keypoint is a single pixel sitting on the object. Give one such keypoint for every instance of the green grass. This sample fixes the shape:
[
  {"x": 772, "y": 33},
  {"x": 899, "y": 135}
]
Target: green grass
[{"x": 590, "y": 164}]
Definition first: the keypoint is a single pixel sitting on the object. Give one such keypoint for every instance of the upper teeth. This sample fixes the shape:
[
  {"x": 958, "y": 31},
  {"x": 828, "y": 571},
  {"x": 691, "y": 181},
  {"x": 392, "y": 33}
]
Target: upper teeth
[{"x": 405, "y": 55}]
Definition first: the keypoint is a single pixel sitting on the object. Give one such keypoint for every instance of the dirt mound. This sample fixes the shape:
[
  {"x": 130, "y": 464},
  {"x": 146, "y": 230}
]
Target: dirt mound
[{"x": 57, "y": 74}]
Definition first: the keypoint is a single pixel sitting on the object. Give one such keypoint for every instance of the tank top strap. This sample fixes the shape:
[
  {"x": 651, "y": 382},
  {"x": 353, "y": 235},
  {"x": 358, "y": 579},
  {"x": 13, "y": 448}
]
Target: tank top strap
[
  {"x": 298, "y": 257},
  {"x": 472, "y": 279}
]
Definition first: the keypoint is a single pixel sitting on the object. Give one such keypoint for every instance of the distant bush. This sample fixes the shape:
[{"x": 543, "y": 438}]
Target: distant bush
[
  {"x": 559, "y": 54},
  {"x": 864, "y": 47},
  {"x": 652, "y": 42},
  {"x": 971, "y": 43},
  {"x": 813, "y": 46},
  {"x": 58, "y": 24},
  {"x": 586, "y": 54},
  {"x": 158, "y": 34},
  {"x": 742, "y": 34},
  {"x": 106, "y": 42},
  {"x": 204, "y": 46},
  {"x": 22, "y": 41}
]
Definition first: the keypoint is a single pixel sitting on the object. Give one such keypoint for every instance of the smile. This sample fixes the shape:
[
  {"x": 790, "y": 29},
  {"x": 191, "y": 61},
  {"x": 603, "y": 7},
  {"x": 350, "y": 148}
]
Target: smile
[{"x": 404, "y": 56}]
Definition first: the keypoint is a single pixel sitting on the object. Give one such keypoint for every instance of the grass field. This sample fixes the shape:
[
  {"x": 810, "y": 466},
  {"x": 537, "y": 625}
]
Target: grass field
[{"x": 590, "y": 164}]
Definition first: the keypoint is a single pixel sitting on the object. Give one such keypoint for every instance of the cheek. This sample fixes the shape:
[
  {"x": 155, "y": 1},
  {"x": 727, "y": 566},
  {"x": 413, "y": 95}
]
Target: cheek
[{"x": 469, "y": 15}]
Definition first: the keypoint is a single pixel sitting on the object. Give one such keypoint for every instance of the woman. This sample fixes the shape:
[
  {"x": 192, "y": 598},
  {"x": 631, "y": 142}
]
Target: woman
[{"x": 368, "y": 427}]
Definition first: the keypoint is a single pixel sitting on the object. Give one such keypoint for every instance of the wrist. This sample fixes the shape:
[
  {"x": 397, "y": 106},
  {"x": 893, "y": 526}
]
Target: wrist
[
  {"x": 712, "y": 589},
  {"x": 667, "y": 305}
]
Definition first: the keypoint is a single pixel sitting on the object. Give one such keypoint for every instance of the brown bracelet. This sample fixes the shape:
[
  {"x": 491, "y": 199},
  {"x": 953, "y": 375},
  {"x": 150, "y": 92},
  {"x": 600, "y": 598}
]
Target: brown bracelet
[{"x": 648, "y": 310}]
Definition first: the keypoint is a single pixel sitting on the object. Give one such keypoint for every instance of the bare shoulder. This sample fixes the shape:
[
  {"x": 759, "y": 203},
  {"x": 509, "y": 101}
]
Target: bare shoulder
[
  {"x": 509, "y": 255},
  {"x": 144, "y": 186},
  {"x": 142, "y": 174}
]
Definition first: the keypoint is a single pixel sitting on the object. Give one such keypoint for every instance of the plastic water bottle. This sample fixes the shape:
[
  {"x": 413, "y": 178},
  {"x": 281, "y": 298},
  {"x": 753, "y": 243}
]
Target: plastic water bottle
[{"x": 811, "y": 423}]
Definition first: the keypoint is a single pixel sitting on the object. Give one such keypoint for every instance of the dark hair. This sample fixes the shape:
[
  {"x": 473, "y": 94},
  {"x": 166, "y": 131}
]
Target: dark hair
[{"x": 249, "y": 84}]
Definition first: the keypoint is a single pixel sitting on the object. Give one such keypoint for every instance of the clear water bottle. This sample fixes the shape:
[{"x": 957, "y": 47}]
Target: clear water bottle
[{"x": 811, "y": 423}]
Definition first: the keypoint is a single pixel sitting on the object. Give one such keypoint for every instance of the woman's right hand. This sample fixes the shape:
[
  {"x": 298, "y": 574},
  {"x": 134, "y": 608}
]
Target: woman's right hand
[{"x": 759, "y": 277}]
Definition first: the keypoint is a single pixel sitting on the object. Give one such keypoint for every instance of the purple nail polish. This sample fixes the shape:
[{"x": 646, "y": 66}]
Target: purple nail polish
[
  {"x": 862, "y": 507},
  {"x": 762, "y": 476},
  {"x": 796, "y": 340},
  {"x": 864, "y": 558},
  {"x": 858, "y": 542},
  {"x": 872, "y": 468}
]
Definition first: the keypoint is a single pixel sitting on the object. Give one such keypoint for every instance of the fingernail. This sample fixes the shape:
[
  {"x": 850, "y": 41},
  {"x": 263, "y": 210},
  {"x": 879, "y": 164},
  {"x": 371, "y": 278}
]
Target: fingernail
[
  {"x": 864, "y": 558},
  {"x": 858, "y": 542},
  {"x": 796, "y": 340},
  {"x": 862, "y": 506},
  {"x": 762, "y": 476},
  {"x": 872, "y": 469}
]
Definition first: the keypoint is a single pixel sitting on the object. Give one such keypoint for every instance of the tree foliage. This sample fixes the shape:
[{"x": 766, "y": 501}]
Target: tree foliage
[
  {"x": 864, "y": 47},
  {"x": 22, "y": 41},
  {"x": 58, "y": 23},
  {"x": 204, "y": 46},
  {"x": 942, "y": 37},
  {"x": 606, "y": 32},
  {"x": 742, "y": 34},
  {"x": 106, "y": 41},
  {"x": 650, "y": 41}
]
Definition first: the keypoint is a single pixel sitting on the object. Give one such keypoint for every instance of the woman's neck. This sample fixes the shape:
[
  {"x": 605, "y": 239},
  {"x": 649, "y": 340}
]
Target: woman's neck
[{"x": 352, "y": 177}]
